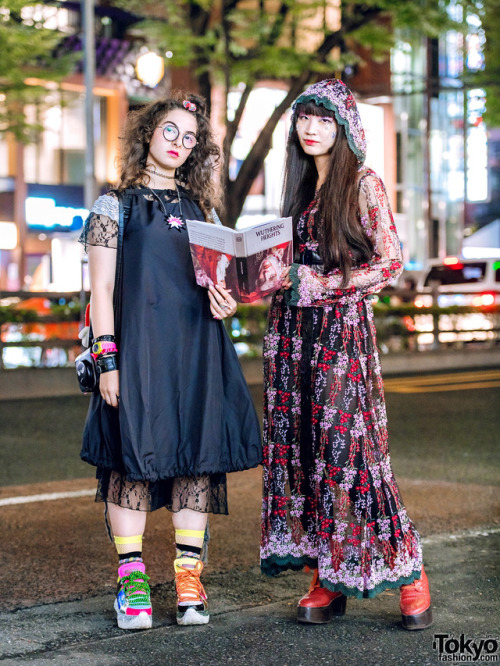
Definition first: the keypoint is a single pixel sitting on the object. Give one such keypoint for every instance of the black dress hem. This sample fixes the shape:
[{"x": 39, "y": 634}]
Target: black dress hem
[{"x": 190, "y": 473}]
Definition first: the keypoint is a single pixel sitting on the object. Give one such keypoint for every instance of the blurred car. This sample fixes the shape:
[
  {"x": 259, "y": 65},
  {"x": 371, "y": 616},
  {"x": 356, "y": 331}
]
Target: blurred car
[
  {"x": 463, "y": 282},
  {"x": 460, "y": 281}
]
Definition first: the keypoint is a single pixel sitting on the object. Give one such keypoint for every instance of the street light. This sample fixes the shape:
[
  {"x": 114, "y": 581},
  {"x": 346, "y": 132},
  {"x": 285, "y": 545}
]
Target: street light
[
  {"x": 150, "y": 69},
  {"x": 87, "y": 8}
]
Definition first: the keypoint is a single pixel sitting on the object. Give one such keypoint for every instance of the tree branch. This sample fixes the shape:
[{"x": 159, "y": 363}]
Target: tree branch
[
  {"x": 229, "y": 6},
  {"x": 279, "y": 23},
  {"x": 239, "y": 188},
  {"x": 198, "y": 19},
  {"x": 232, "y": 126}
]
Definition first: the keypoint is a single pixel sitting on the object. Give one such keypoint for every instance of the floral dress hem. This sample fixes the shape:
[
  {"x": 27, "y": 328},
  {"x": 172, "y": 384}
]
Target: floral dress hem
[{"x": 273, "y": 566}]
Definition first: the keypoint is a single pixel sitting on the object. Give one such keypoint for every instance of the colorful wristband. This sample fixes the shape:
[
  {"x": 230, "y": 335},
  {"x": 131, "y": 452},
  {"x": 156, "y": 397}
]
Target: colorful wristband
[{"x": 100, "y": 348}]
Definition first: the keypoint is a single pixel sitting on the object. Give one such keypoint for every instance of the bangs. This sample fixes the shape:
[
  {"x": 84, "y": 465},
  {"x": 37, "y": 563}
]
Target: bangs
[{"x": 312, "y": 109}]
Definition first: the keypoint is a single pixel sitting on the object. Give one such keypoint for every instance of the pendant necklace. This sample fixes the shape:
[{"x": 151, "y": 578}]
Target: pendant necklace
[{"x": 172, "y": 221}]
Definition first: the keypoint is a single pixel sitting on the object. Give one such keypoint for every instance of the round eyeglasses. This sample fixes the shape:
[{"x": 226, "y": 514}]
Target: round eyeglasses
[{"x": 171, "y": 132}]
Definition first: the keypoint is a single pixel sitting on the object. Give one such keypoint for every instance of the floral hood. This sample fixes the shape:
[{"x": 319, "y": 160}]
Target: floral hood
[{"x": 334, "y": 95}]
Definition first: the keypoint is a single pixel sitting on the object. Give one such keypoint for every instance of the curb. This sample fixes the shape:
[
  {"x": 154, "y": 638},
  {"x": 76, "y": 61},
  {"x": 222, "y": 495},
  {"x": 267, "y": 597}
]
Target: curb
[{"x": 23, "y": 383}]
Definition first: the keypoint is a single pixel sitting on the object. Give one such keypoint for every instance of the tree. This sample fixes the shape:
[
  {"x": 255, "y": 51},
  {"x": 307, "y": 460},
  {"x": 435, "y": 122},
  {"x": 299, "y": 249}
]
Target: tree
[
  {"x": 489, "y": 77},
  {"x": 27, "y": 58},
  {"x": 241, "y": 42}
]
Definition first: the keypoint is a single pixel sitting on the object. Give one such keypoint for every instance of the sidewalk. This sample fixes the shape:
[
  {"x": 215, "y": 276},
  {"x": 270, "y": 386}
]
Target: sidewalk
[
  {"x": 49, "y": 382},
  {"x": 395, "y": 364},
  {"x": 260, "y": 629}
]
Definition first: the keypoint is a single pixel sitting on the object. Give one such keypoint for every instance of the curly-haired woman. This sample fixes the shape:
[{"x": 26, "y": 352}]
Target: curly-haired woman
[
  {"x": 330, "y": 498},
  {"x": 173, "y": 414}
]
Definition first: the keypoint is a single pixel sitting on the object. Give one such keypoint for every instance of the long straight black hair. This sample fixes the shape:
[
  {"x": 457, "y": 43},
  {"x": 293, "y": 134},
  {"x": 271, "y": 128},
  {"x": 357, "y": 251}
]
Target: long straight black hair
[{"x": 343, "y": 242}]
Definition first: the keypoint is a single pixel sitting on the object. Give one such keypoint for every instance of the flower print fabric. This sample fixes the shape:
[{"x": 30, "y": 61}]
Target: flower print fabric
[
  {"x": 310, "y": 287},
  {"x": 330, "y": 497}
]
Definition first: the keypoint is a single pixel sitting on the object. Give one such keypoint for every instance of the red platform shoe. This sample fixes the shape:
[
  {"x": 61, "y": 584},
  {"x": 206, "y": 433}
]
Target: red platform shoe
[
  {"x": 319, "y": 605},
  {"x": 415, "y": 604}
]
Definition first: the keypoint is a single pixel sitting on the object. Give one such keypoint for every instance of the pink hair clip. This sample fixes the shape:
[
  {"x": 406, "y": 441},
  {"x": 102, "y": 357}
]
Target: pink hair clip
[{"x": 190, "y": 106}]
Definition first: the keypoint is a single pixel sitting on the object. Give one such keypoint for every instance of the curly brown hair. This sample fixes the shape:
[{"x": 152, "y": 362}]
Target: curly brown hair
[{"x": 197, "y": 172}]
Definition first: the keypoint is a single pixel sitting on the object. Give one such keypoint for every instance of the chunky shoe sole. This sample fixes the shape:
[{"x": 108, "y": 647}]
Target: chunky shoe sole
[
  {"x": 417, "y": 622},
  {"x": 192, "y": 616},
  {"x": 142, "y": 621},
  {"x": 322, "y": 614}
]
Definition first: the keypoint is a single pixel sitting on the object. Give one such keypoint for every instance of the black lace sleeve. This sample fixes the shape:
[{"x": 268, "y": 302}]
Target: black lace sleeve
[{"x": 101, "y": 226}]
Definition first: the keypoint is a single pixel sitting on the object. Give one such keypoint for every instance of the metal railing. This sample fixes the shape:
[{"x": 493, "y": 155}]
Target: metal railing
[
  {"x": 38, "y": 330},
  {"x": 401, "y": 326}
]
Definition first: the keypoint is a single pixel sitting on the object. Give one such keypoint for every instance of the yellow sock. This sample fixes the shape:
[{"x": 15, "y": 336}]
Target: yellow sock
[
  {"x": 128, "y": 544},
  {"x": 188, "y": 545}
]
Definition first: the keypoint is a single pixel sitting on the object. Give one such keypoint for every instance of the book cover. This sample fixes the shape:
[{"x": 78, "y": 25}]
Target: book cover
[{"x": 247, "y": 261}]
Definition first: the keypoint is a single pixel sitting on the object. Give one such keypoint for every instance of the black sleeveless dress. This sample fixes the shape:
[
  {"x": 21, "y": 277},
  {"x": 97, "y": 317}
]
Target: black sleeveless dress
[{"x": 185, "y": 416}]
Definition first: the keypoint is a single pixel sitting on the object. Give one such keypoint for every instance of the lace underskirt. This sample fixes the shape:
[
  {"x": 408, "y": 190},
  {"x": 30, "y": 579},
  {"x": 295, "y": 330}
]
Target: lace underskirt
[{"x": 207, "y": 493}]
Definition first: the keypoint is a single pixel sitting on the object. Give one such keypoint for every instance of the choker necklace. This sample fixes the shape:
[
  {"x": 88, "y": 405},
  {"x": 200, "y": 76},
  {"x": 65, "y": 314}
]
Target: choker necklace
[
  {"x": 172, "y": 221},
  {"x": 157, "y": 173}
]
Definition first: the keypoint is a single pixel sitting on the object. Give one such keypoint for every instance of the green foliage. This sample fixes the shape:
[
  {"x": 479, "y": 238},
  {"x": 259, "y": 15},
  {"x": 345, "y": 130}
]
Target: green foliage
[
  {"x": 374, "y": 37},
  {"x": 69, "y": 311},
  {"x": 27, "y": 50},
  {"x": 489, "y": 78},
  {"x": 389, "y": 319},
  {"x": 9, "y": 315},
  {"x": 238, "y": 43},
  {"x": 253, "y": 40}
]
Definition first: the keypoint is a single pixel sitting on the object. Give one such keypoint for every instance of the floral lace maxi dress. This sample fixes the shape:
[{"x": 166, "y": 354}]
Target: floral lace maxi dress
[{"x": 330, "y": 497}]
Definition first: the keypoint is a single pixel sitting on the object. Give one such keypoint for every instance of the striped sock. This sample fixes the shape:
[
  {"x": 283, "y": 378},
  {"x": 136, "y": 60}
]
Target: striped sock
[{"x": 188, "y": 545}]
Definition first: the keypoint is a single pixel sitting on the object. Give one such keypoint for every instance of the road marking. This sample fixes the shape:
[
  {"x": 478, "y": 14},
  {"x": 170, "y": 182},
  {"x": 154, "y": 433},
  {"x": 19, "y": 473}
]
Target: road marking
[
  {"x": 444, "y": 387},
  {"x": 444, "y": 382},
  {"x": 447, "y": 377},
  {"x": 466, "y": 534},
  {"x": 45, "y": 497}
]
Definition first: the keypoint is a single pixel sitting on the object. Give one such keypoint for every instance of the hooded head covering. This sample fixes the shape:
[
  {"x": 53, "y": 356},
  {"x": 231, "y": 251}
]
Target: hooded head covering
[{"x": 334, "y": 95}]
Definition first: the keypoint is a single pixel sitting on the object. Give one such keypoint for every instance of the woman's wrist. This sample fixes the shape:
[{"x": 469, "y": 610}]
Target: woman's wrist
[
  {"x": 292, "y": 294},
  {"x": 104, "y": 346},
  {"x": 104, "y": 338},
  {"x": 107, "y": 363}
]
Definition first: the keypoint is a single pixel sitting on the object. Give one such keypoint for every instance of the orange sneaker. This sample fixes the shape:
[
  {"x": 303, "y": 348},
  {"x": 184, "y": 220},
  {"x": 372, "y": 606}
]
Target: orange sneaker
[
  {"x": 415, "y": 604},
  {"x": 319, "y": 605},
  {"x": 191, "y": 596}
]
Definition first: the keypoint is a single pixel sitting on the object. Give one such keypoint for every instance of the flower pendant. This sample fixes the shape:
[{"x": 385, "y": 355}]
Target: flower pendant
[{"x": 175, "y": 222}]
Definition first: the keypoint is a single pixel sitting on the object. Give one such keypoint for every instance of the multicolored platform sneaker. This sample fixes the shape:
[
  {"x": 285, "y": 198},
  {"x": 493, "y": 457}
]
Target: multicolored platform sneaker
[
  {"x": 133, "y": 601},
  {"x": 191, "y": 596}
]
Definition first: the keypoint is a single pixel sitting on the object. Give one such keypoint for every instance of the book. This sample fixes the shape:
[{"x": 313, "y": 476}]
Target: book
[{"x": 248, "y": 261}]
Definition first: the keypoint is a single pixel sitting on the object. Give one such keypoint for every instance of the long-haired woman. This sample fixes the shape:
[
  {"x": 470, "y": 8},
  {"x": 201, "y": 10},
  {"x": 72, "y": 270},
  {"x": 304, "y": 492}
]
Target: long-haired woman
[
  {"x": 173, "y": 413},
  {"x": 330, "y": 499}
]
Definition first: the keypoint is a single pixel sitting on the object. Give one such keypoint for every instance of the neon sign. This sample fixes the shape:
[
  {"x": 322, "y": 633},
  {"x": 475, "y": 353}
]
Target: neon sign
[{"x": 44, "y": 213}]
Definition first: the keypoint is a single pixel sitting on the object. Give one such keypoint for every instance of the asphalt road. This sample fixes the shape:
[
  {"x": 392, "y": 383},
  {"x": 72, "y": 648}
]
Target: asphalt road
[
  {"x": 442, "y": 426},
  {"x": 58, "y": 569}
]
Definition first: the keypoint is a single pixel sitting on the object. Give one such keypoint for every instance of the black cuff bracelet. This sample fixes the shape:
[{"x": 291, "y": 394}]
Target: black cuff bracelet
[
  {"x": 104, "y": 338},
  {"x": 107, "y": 363}
]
